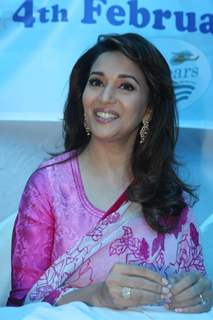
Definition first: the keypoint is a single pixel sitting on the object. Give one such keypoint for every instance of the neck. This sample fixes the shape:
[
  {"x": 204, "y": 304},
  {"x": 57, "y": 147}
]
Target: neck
[{"x": 111, "y": 160}]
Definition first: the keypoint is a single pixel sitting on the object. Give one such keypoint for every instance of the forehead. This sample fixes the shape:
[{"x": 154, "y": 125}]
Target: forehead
[{"x": 117, "y": 63}]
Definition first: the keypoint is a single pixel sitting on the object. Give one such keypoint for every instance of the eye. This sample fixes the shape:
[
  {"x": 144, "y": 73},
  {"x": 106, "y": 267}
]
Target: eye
[
  {"x": 127, "y": 86},
  {"x": 95, "y": 82}
]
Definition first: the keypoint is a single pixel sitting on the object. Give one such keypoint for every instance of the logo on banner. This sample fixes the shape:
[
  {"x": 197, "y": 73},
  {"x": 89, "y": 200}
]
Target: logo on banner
[{"x": 191, "y": 72}]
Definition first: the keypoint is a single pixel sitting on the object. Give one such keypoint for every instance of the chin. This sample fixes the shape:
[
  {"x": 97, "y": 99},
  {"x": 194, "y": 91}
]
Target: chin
[{"x": 104, "y": 137}]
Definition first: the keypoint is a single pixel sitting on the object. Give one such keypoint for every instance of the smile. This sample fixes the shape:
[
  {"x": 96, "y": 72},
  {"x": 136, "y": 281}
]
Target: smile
[{"x": 106, "y": 115}]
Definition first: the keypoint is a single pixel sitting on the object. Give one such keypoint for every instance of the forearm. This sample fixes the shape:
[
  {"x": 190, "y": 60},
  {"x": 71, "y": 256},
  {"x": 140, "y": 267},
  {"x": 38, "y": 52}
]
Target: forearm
[{"x": 90, "y": 295}]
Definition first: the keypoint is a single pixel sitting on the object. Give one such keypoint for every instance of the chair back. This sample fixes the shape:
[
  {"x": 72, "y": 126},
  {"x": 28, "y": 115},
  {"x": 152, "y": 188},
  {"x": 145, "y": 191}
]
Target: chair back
[{"x": 6, "y": 228}]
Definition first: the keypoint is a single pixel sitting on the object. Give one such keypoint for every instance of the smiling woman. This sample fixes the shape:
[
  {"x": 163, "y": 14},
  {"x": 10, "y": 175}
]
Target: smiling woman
[
  {"x": 107, "y": 222},
  {"x": 115, "y": 98}
]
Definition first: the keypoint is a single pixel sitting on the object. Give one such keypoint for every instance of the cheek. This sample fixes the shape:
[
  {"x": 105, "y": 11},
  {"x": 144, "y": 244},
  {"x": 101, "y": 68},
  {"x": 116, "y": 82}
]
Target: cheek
[
  {"x": 136, "y": 109},
  {"x": 87, "y": 99},
  {"x": 142, "y": 105}
]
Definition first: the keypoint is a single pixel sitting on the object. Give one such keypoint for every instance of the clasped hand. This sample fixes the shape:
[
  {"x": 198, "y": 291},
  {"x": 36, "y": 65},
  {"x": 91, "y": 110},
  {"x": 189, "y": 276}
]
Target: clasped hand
[
  {"x": 131, "y": 286},
  {"x": 191, "y": 292}
]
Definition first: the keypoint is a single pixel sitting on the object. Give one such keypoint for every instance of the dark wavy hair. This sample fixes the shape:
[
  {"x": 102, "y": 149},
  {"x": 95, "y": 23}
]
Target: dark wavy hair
[{"x": 156, "y": 185}]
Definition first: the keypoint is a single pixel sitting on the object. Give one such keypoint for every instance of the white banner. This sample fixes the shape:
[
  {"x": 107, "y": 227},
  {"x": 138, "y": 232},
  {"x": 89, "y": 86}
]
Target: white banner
[{"x": 40, "y": 41}]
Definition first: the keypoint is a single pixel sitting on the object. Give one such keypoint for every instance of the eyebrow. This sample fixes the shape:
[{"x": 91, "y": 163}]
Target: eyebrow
[{"x": 99, "y": 73}]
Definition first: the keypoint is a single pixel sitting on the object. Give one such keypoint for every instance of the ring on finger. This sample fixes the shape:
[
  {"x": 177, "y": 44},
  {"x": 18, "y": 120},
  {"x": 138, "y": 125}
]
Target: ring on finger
[
  {"x": 202, "y": 300},
  {"x": 126, "y": 292}
]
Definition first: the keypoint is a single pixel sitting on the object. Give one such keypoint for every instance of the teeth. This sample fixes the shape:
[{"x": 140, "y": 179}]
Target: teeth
[{"x": 106, "y": 115}]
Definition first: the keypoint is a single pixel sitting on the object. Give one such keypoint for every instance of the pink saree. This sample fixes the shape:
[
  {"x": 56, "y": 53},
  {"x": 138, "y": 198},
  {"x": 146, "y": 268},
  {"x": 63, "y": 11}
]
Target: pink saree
[
  {"x": 61, "y": 241},
  {"x": 55, "y": 281},
  {"x": 58, "y": 278}
]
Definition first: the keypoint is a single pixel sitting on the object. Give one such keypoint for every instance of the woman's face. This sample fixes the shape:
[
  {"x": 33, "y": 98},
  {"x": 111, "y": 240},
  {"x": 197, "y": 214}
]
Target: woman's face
[{"x": 115, "y": 98}]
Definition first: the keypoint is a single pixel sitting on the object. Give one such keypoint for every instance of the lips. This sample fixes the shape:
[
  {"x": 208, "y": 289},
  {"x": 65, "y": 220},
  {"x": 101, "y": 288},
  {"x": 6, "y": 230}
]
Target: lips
[{"x": 105, "y": 115}]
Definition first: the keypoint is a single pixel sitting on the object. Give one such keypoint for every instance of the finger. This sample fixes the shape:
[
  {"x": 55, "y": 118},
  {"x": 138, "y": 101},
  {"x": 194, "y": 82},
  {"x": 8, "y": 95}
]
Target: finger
[
  {"x": 176, "y": 277},
  {"x": 140, "y": 283},
  {"x": 206, "y": 299},
  {"x": 139, "y": 271},
  {"x": 186, "y": 303},
  {"x": 185, "y": 283},
  {"x": 140, "y": 297},
  {"x": 195, "y": 309},
  {"x": 195, "y": 290},
  {"x": 146, "y": 297}
]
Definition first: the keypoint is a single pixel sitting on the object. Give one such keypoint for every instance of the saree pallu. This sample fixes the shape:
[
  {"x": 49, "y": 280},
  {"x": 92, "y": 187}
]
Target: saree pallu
[{"x": 122, "y": 236}]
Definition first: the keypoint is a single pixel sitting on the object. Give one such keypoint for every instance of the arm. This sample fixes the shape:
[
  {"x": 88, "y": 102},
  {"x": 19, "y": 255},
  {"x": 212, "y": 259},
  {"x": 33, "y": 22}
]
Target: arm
[
  {"x": 146, "y": 287},
  {"x": 32, "y": 238}
]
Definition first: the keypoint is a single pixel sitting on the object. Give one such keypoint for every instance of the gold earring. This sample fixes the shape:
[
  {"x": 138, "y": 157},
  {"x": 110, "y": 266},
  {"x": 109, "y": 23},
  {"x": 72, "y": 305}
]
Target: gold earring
[
  {"x": 86, "y": 127},
  {"x": 144, "y": 131}
]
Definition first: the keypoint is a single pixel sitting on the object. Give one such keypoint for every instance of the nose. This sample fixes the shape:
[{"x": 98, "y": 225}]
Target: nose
[{"x": 108, "y": 94}]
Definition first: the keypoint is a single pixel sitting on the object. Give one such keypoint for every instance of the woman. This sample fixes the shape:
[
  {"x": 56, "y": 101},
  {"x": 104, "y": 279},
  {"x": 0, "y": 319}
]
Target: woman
[{"x": 108, "y": 221}]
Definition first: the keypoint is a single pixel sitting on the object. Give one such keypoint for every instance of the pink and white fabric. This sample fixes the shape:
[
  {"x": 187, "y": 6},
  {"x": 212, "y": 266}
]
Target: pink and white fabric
[{"x": 56, "y": 218}]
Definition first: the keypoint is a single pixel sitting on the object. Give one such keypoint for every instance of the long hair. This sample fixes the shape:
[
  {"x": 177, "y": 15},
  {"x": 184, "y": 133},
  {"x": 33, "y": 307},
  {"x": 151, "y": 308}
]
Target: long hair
[{"x": 156, "y": 185}]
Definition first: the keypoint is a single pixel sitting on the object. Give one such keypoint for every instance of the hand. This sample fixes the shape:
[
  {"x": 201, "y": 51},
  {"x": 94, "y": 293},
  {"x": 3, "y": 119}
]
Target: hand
[
  {"x": 191, "y": 293},
  {"x": 144, "y": 287}
]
